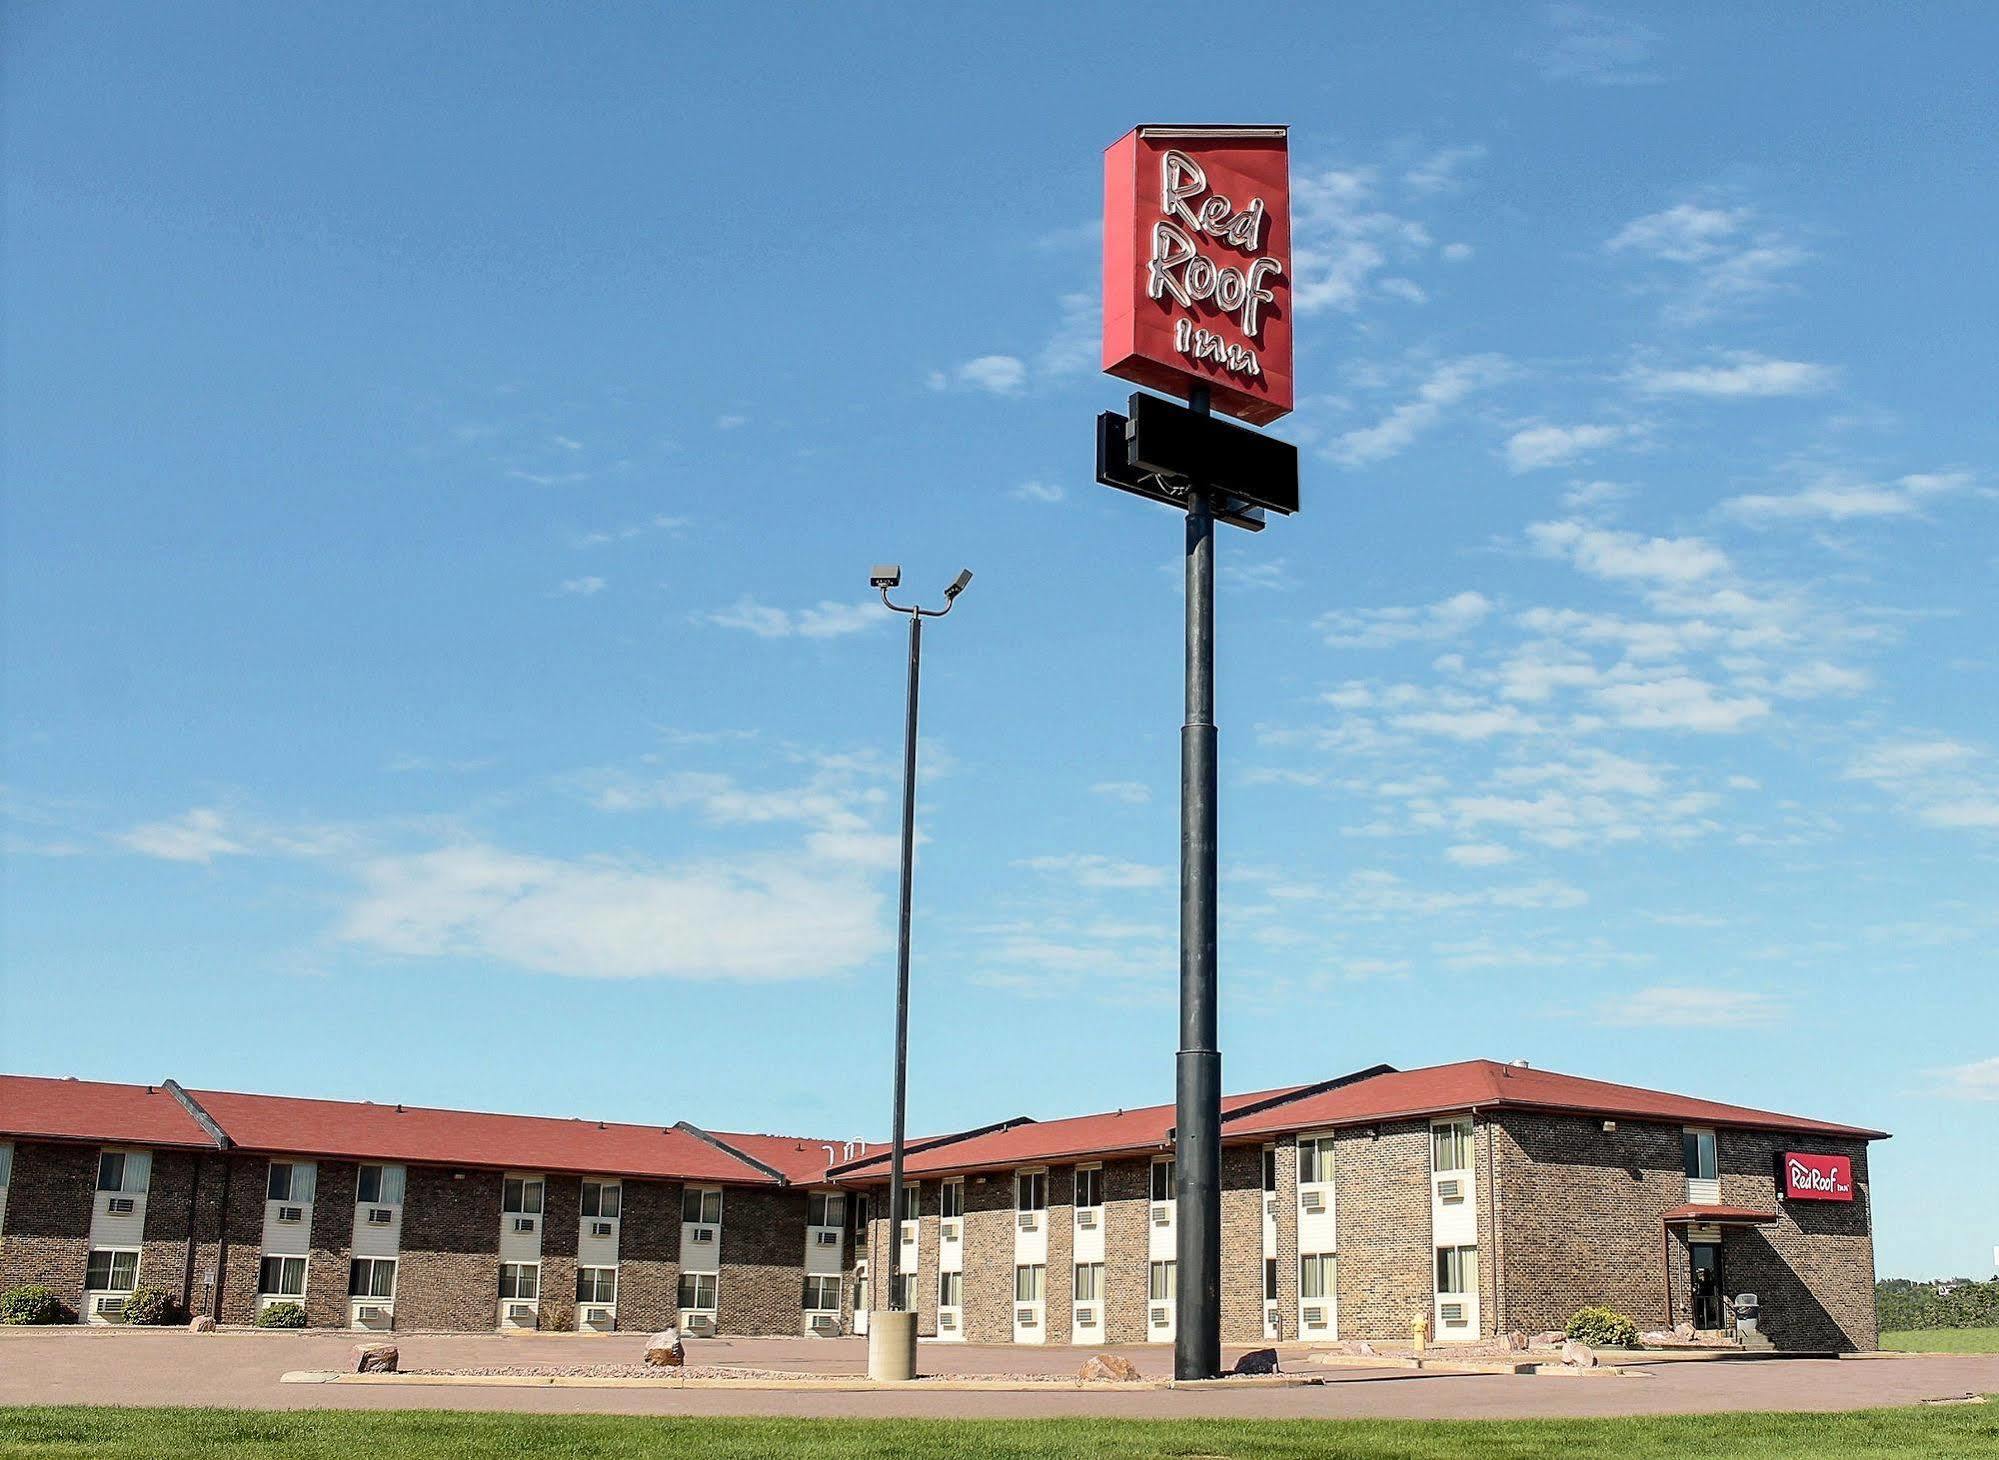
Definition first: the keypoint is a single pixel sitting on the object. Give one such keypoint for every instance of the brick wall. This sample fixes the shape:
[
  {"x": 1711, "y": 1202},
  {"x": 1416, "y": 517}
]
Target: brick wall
[
  {"x": 172, "y": 1195},
  {"x": 1287, "y": 1238},
  {"x": 923, "y": 1287},
  {"x": 1814, "y": 1269},
  {"x": 332, "y": 1239},
  {"x": 1058, "y": 1292},
  {"x": 763, "y": 1261},
  {"x": 211, "y": 1197},
  {"x": 648, "y": 1256},
  {"x": 1381, "y": 1191},
  {"x": 1127, "y": 1239},
  {"x": 561, "y": 1218},
  {"x": 242, "y": 1240},
  {"x": 48, "y": 1218},
  {"x": 1242, "y": 1244},
  {"x": 448, "y": 1276},
  {"x": 988, "y": 1258}
]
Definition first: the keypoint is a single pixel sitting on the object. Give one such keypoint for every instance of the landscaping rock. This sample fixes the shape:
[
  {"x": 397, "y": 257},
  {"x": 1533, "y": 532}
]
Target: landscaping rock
[
  {"x": 1109, "y": 1366},
  {"x": 375, "y": 1358},
  {"x": 1549, "y": 1338},
  {"x": 1684, "y": 1332},
  {"x": 1578, "y": 1355},
  {"x": 1364, "y": 1349},
  {"x": 1257, "y": 1361},
  {"x": 201, "y": 1323},
  {"x": 663, "y": 1350},
  {"x": 1517, "y": 1340}
]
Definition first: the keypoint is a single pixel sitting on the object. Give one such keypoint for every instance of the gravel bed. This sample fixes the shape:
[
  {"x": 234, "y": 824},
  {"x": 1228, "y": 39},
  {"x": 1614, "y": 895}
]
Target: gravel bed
[{"x": 695, "y": 1371}]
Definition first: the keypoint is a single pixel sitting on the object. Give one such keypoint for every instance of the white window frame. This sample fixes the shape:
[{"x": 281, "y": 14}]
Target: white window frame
[
  {"x": 947, "y": 1282},
  {"x": 520, "y": 1270},
  {"x": 384, "y": 1183},
  {"x": 826, "y": 1287},
  {"x": 600, "y": 1269},
  {"x": 375, "y": 1266},
  {"x": 518, "y": 1189},
  {"x": 1095, "y": 1272},
  {"x": 129, "y": 1159},
  {"x": 1324, "y": 1269},
  {"x": 1161, "y": 1179},
  {"x": 1462, "y": 1135},
  {"x": 616, "y": 1191},
  {"x": 1704, "y": 1137},
  {"x": 703, "y": 1197},
  {"x": 1030, "y": 1190},
  {"x": 1094, "y": 1175},
  {"x": 1454, "y": 1257},
  {"x": 1320, "y": 1146},
  {"x": 1031, "y": 1275},
  {"x": 825, "y": 1209},
  {"x": 114, "y": 1253},
  {"x": 1162, "y": 1280},
  {"x": 699, "y": 1278},
  {"x": 951, "y": 1198},
  {"x": 284, "y": 1260}
]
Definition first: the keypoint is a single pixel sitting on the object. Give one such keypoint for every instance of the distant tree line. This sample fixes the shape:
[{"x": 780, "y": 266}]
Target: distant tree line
[{"x": 1901, "y": 1303}]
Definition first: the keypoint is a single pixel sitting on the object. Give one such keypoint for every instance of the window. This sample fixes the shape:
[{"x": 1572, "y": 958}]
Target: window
[
  {"x": 1028, "y": 1280},
  {"x": 6, "y": 1162},
  {"x": 379, "y": 1186},
  {"x": 521, "y": 1196},
  {"x": 371, "y": 1277},
  {"x": 822, "y": 1294},
  {"x": 1164, "y": 1280},
  {"x": 950, "y": 1290},
  {"x": 596, "y": 1285},
  {"x": 1089, "y": 1186},
  {"x": 520, "y": 1280},
  {"x": 1457, "y": 1269},
  {"x": 824, "y": 1209},
  {"x": 291, "y": 1181},
  {"x": 901, "y": 1290},
  {"x": 125, "y": 1172},
  {"x": 1162, "y": 1180},
  {"x": 697, "y": 1290},
  {"x": 912, "y": 1200},
  {"x": 702, "y": 1204},
  {"x": 1269, "y": 1279},
  {"x": 1030, "y": 1189},
  {"x": 1316, "y": 1276},
  {"x": 1315, "y": 1159},
  {"x": 860, "y": 1292},
  {"x": 114, "y": 1270},
  {"x": 1697, "y": 1149},
  {"x": 1270, "y": 1168},
  {"x": 601, "y": 1199},
  {"x": 1089, "y": 1282},
  {"x": 951, "y": 1199},
  {"x": 861, "y": 1215},
  {"x": 281, "y": 1277},
  {"x": 1451, "y": 1146}
]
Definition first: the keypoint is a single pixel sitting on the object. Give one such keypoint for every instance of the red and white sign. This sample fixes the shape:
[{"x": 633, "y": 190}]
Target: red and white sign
[
  {"x": 1197, "y": 265},
  {"x": 1807, "y": 1177}
]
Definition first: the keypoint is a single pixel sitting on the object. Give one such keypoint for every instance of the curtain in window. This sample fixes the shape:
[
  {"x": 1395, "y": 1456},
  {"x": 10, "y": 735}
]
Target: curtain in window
[
  {"x": 305, "y": 1181},
  {"x": 6, "y": 1162},
  {"x": 392, "y": 1186},
  {"x": 138, "y": 1172}
]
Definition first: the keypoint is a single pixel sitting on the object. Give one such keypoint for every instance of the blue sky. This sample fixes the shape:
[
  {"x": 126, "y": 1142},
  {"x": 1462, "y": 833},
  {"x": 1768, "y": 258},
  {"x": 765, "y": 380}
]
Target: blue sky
[{"x": 445, "y": 449}]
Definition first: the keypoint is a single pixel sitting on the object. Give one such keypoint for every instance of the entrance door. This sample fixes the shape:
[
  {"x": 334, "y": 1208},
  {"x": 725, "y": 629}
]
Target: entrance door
[{"x": 1705, "y": 1258}]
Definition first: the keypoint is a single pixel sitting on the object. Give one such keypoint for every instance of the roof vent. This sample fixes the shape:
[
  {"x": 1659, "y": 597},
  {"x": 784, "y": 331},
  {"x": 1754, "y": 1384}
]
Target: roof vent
[{"x": 1520, "y": 1065}]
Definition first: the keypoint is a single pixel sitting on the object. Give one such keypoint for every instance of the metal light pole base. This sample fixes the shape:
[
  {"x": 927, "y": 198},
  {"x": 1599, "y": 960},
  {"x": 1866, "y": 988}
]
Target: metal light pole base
[{"x": 891, "y": 1346}]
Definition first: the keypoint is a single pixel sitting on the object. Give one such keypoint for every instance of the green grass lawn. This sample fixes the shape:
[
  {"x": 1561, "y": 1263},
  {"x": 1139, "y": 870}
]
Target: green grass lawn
[
  {"x": 1942, "y": 1340},
  {"x": 196, "y": 1434}
]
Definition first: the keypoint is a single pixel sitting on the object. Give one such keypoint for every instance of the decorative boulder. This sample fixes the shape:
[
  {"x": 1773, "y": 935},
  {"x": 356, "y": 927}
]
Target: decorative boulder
[
  {"x": 1548, "y": 1338},
  {"x": 1108, "y": 1366},
  {"x": 1257, "y": 1361},
  {"x": 1578, "y": 1355},
  {"x": 1517, "y": 1340},
  {"x": 1684, "y": 1332},
  {"x": 375, "y": 1358},
  {"x": 1364, "y": 1349},
  {"x": 201, "y": 1323},
  {"x": 663, "y": 1350}
]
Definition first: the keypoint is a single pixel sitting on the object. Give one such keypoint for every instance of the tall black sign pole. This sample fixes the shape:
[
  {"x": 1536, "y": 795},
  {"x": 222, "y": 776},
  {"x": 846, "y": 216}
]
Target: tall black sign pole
[{"x": 1197, "y": 1331}]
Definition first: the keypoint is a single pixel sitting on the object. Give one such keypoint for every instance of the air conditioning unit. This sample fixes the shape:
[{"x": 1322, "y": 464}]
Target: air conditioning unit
[
  {"x": 109, "y": 1307},
  {"x": 1450, "y": 1189},
  {"x": 519, "y": 1315},
  {"x": 950, "y": 1230},
  {"x": 1030, "y": 1221},
  {"x": 909, "y": 1234},
  {"x": 380, "y": 1216},
  {"x": 825, "y": 1323},
  {"x": 1452, "y": 1313},
  {"x": 1086, "y": 1317},
  {"x": 946, "y": 1319},
  {"x": 291, "y": 1214},
  {"x": 601, "y": 1229},
  {"x": 1161, "y": 1316},
  {"x": 372, "y": 1315},
  {"x": 1315, "y": 1317},
  {"x": 597, "y": 1318},
  {"x": 1026, "y": 1318},
  {"x": 1086, "y": 1217},
  {"x": 1270, "y": 1205},
  {"x": 1315, "y": 1201},
  {"x": 121, "y": 1206},
  {"x": 523, "y": 1224},
  {"x": 1162, "y": 1214},
  {"x": 703, "y": 1234},
  {"x": 700, "y": 1323}
]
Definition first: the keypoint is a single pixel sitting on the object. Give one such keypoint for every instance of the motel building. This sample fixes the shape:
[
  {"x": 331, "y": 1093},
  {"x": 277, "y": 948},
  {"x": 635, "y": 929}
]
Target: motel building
[{"x": 1481, "y": 1196}]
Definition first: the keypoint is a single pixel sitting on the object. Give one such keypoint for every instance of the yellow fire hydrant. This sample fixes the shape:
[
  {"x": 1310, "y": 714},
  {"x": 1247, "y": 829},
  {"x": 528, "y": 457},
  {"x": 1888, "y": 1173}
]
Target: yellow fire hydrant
[{"x": 1419, "y": 1333}]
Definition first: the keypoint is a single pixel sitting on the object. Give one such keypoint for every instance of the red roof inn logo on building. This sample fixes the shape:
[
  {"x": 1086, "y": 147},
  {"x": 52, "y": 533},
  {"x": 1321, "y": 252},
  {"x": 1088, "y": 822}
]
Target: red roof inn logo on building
[
  {"x": 1197, "y": 265},
  {"x": 1817, "y": 1178}
]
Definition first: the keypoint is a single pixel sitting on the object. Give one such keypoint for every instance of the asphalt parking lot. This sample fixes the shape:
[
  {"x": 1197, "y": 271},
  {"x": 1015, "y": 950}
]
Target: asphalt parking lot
[{"x": 85, "y": 1366}]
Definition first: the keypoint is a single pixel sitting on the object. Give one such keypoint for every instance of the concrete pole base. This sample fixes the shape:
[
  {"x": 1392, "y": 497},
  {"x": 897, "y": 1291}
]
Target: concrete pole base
[{"x": 891, "y": 1346}]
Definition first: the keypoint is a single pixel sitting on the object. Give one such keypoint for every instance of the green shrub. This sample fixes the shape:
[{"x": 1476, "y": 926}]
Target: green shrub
[
  {"x": 32, "y": 1303},
  {"x": 1603, "y": 1328},
  {"x": 151, "y": 1307},
  {"x": 282, "y": 1315}
]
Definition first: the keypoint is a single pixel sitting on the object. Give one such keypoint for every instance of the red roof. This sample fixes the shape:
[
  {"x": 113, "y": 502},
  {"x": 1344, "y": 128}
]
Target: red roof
[
  {"x": 1143, "y": 1129},
  {"x": 1720, "y": 1216},
  {"x": 1487, "y": 1084},
  {"x": 86, "y": 1110},
  {"x": 802, "y": 1159},
  {"x": 361, "y": 1130}
]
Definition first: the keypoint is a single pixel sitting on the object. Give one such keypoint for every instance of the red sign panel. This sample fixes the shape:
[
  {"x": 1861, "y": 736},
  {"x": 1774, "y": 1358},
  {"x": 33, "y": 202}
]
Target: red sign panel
[
  {"x": 1197, "y": 265},
  {"x": 1807, "y": 1177}
]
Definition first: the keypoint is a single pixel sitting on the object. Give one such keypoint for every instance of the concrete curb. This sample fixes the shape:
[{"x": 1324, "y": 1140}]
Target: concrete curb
[{"x": 804, "y": 1384}]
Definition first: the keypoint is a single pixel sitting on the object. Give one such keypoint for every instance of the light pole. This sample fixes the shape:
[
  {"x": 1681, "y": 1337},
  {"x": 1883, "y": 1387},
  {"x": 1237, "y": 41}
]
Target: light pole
[{"x": 892, "y": 1343}]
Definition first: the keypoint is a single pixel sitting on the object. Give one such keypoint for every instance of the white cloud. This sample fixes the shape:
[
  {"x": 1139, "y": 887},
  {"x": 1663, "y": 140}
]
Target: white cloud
[
  {"x": 1595, "y": 49},
  {"x": 581, "y": 587},
  {"x": 1076, "y": 345},
  {"x": 1544, "y": 446},
  {"x": 1131, "y": 793},
  {"x": 1445, "y": 386},
  {"x": 1839, "y": 500},
  {"x": 731, "y": 422},
  {"x": 1037, "y": 492},
  {"x": 1680, "y": 702},
  {"x": 1378, "y": 628},
  {"x": 1480, "y": 854},
  {"x": 1606, "y": 553},
  {"x": 762, "y": 918},
  {"x": 828, "y": 620},
  {"x": 1472, "y": 722},
  {"x": 1941, "y": 783},
  {"x": 1710, "y": 259},
  {"x": 1745, "y": 375},
  {"x": 200, "y": 835},
  {"x": 1978, "y": 1080},
  {"x": 1442, "y": 171},
  {"x": 1678, "y": 1007},
  {"x": 1092, "y": 870},
  {"x": 994, "y": 374}
]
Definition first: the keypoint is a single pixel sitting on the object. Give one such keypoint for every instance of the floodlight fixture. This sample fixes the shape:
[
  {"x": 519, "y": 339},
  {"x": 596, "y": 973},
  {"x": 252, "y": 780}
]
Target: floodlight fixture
[
  {"x": 885, "y": 575},
  {"x": 958, "y": 584}
]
